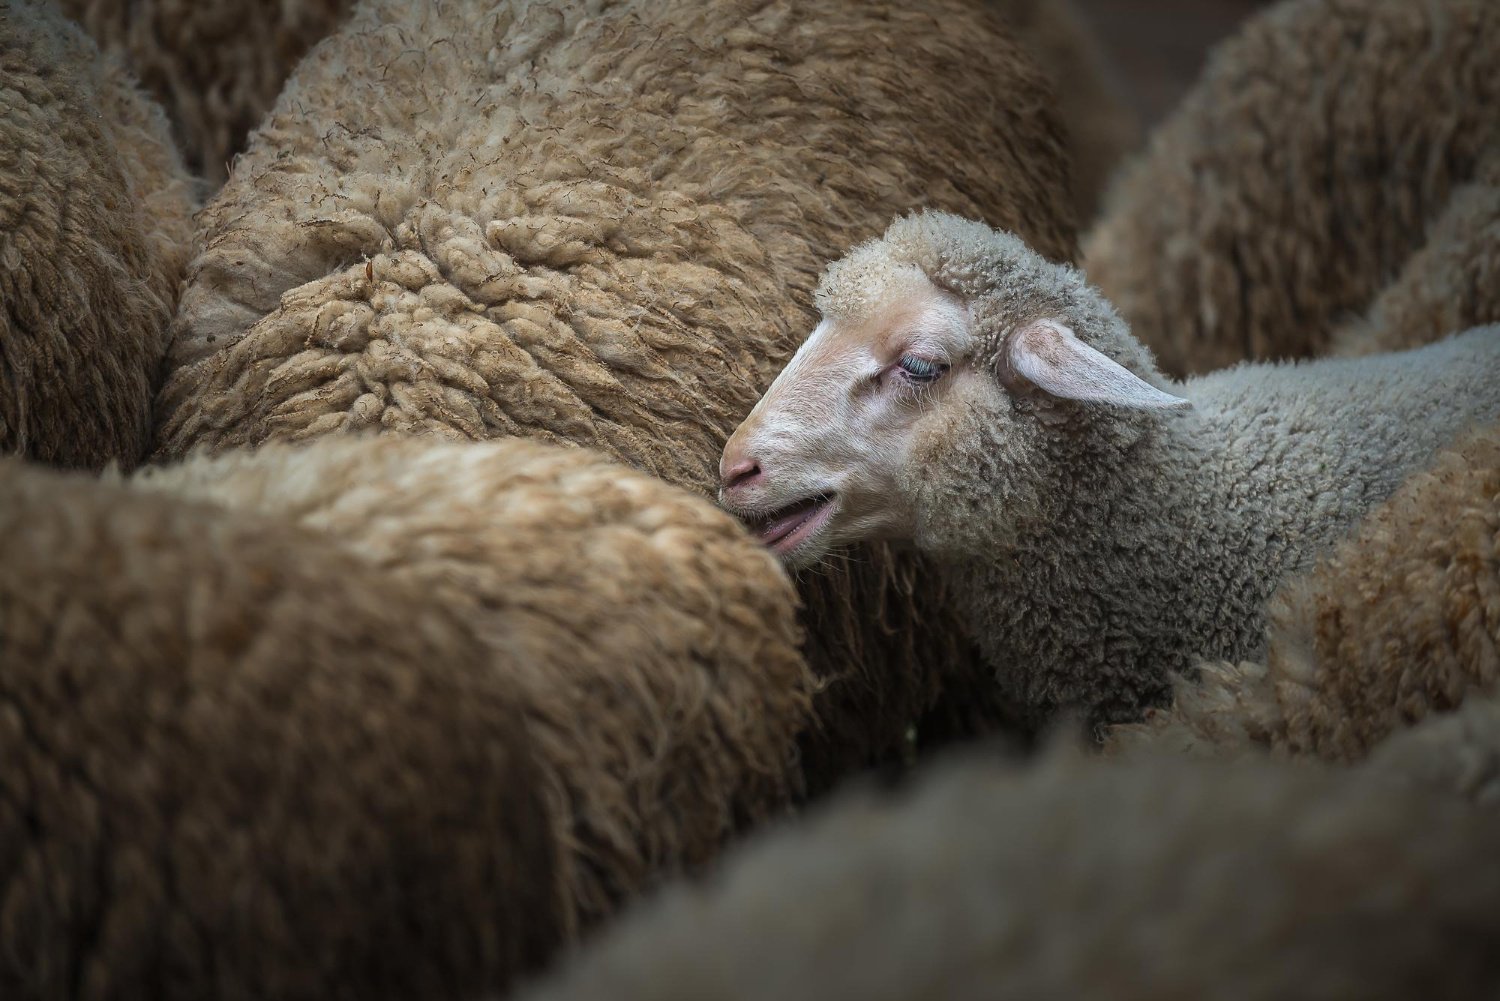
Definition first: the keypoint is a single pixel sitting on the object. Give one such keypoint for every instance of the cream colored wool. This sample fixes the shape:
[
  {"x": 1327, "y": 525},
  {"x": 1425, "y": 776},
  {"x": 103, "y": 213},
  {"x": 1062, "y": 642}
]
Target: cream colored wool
[
  {"x": 1298, "y": 175},
  {"x": 1101, "y": 127},
  {"x": 1153, "y": 876},
  {"x": 94, "y": 223},
  {"x": 600, "y": 224},
  {"x": 1400, "y": 621},
  {"x": 237, "y": 763},
  {"x": 1452, "y": 283},
  {"x": 650, "y": 641},
  {"x": 216, "y": 65}
]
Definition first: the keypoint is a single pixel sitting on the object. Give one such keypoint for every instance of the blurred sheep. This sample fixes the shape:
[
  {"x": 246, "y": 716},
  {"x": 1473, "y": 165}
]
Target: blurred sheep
[{"x": 95, "y": 211}]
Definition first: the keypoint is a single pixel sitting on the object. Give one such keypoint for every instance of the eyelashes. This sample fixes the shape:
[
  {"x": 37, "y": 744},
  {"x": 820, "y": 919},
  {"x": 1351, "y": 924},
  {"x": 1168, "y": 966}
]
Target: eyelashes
[{"x": 921, "y": 370}]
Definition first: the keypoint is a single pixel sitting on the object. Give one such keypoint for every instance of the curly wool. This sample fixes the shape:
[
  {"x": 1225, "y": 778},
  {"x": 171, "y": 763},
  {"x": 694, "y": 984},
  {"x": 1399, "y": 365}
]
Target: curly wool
[
  {"x": 600, "y": 225},
  {"x": 1151, "y": 876},
  {"x": 1452, "y": 283},
  {"x": 95, "y": 214},
  {"x": 1298, "y": 175},
  {"x": 215, "y": 66},
  {"x": 651, "y": 642},
  {"x": 1400, "y": 621},
  {"x": 234, "y": 763}
]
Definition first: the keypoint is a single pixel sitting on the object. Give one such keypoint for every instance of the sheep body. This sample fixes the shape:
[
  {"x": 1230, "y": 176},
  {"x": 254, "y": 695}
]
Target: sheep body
[
  {"x": 650, "y": 642},
  {"x": 1099, "y": 546},
  {"x": 95, "y": 213},
  {"x": 236, "y": 761},
  {"x": 1151, "y": 876},
  {"x": 600, "y": 225},
  {"x": 1298, "y": 175},
  {"x": 1399, "y": 621},
  {"x": 1164, "y": 550}
]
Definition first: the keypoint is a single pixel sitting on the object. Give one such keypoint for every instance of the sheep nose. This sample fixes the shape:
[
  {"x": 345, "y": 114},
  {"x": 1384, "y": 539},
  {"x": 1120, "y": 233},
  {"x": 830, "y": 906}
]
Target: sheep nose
[{"x": 737, "y": 472}]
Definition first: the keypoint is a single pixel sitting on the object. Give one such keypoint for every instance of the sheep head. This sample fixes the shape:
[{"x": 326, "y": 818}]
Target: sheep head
[{"x": 956, "y": 375}]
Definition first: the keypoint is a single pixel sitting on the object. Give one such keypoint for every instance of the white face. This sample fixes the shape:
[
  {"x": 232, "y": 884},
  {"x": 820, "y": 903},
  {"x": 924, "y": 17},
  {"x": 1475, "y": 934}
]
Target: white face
[{"x": 824, "y": 457}]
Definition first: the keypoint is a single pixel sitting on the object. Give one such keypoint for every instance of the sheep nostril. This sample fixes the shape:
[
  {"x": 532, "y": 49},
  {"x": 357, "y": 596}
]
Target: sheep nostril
[{"x": 741, "y": 473}]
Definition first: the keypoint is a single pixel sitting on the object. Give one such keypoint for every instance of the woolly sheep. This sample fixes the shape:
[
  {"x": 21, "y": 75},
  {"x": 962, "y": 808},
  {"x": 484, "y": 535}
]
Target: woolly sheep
[
  {"x": 94, "y": 221},
  {"x": 1452, "y": 283},
  {"x": 1102, "y": 527},
  {"x": 651, "y": 643},
  {"x": 238, "y": 762},
  {"x": 216, "y": 65},
  {"x": 481, "y": 220},
  {"x": 1298, "y": 175},
  {"x": 1153, "y": 876},
  {"x": 1400, "y": 621},
  {"x": 1101, "y": 128}
]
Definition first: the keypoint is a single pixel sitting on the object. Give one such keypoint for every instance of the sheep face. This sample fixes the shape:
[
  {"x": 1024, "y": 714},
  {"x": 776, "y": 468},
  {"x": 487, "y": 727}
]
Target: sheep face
[
  {"x": 824, "y": 457},
  {"x": 945, "y": 399}
]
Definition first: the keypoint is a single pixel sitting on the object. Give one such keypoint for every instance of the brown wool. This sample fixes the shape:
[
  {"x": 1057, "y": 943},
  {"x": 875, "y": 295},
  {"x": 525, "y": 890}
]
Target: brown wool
[{"x": 94, "y": 226}]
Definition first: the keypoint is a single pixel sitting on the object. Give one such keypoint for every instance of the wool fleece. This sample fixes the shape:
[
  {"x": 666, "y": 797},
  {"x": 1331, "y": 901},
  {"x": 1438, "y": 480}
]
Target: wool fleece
[{"x": 600, "y": 224}]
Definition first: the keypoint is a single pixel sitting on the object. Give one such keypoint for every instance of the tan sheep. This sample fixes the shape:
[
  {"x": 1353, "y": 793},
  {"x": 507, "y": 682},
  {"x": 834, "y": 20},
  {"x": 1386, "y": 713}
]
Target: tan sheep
[
  {"x": 1400, "y": 621},
  {"x": 237, "y": 762},
  {"x": 1101, "y": 127},
  {"x": 651, "y": 643},
  {"x": 216, "y": 65},
  {"x": 95, "y": 213},
  {"x": 1154, "y": 876},
  {"x": 1452, "y": 283},
  {"x": 1298, "y": 175},
  {"x": 602, "y": 227}
]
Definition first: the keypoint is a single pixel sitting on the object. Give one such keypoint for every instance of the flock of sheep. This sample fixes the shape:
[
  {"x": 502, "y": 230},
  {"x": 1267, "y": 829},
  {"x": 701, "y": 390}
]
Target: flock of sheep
[{"x": 368, "y": 627}]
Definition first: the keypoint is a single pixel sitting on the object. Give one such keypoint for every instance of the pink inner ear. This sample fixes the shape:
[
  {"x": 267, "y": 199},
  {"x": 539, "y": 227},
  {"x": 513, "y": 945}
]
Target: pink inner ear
[{"x": 1052, "y": 358}]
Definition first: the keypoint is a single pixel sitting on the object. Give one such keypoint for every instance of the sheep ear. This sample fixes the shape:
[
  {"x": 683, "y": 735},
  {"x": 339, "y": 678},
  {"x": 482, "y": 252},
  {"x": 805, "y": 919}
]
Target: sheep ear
[{"x": 1052, "y": 358}]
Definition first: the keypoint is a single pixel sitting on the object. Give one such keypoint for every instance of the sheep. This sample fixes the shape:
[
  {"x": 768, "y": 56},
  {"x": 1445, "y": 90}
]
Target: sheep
[
  {"x": 1152, "y": 876},
  {"x": 1103, "y": 527},
  {"x": 1101, "y": 127},
  {"x": 216, "y": 66},
  {"x": 237, "y": 762},
  {"x": 1297, "y": 176},
  {"x": 652, "y": 644},
  {"x": 1399, "y": 621},
  {"x": 1452, "y": 283},
  {"x": 479, "y": 220},
  {"x": 95, "y": 210}
]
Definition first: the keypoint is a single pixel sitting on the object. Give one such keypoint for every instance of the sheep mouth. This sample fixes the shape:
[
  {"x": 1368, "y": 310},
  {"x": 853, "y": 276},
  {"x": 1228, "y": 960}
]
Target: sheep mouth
[{"x": 786, "y": 528}]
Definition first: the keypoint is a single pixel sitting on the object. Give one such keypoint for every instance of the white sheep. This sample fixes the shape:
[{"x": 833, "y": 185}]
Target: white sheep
[{"x": 1107, "y": 527}]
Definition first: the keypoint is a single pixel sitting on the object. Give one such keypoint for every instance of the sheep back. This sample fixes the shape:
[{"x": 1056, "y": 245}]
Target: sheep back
[
  {"x": 1148, "y": 876},
  {"x": 1297, "y": 176},
  {"x": 1451, "y": 284},
  {"x": 1403, "y": 618},
  {"x": 601, "y": 225},
  {"x": 237, "y": 763},
  {"x": 652, "y": 644},
  {"x": 1399, "y": 621},
  {"x": 95, "y": 213}
]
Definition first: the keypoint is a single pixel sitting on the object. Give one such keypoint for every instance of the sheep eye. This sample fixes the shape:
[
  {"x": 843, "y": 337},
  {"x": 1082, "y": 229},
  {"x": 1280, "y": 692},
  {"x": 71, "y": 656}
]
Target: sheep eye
[{"x": 921, "y": 369}]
